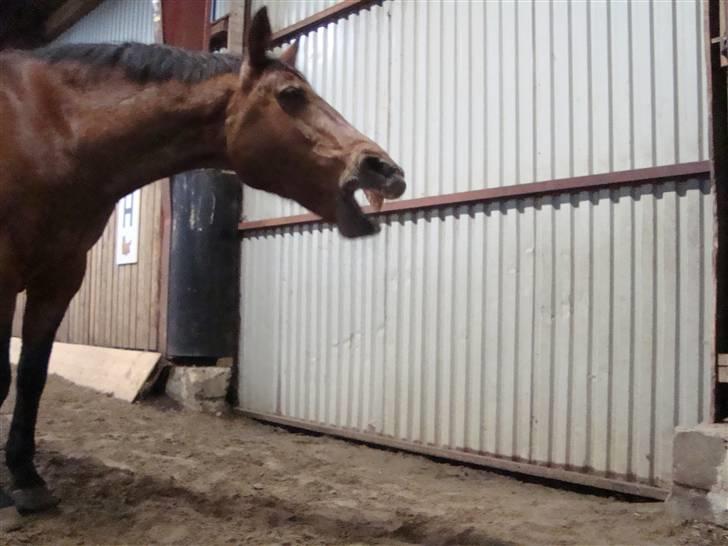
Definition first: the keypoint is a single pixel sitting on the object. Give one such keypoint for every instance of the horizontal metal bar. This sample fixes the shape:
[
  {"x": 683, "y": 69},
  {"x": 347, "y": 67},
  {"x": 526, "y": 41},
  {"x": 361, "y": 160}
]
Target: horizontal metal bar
[
  {"x": 320, "y": 19},
  {"x": 487, "y": 461},
  {"x": 561, "y": 185}
]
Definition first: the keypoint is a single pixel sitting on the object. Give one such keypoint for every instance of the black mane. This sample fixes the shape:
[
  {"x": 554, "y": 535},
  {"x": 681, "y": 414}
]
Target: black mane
[{"x": 145, "y": 63}]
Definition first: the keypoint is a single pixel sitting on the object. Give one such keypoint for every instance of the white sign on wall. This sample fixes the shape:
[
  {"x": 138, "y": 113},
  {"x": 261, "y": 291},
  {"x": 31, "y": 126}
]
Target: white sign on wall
[{"x": 127, "y": 228}]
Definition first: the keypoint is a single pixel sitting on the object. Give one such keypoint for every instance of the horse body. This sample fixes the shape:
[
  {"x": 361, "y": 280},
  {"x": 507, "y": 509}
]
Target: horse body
[
  {"x": 75, "y": 150},
  {"x": 83, "y": 127}
]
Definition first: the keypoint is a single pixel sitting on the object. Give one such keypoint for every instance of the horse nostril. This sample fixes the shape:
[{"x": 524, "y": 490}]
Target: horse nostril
[
  {"x": 377, "y": 165},
  {"x": 371, "y": 163},
  {"x": 394, "y": 187},
  {"x": 389, "y": 177}
]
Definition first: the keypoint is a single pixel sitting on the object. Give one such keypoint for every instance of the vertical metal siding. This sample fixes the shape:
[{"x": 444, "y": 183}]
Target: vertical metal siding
[
  {"x": 284, "y": 13},
  {"x": 220, "y": 8},
  {"x": 474, "y": 94},
  {"x": 114, "y": 21},
  {"x": 573, "y": 330}
]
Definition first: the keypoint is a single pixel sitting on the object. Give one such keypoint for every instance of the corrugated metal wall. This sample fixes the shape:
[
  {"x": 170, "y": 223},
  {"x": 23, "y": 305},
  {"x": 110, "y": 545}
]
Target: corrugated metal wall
[
  {"x": 571, "y": 330},
  {"x": 219, "y": 8},
  {"x": 117, "y": 306},
  {"x": 467, "y": 95},
  {"x": 283, "y": 13},
  {"x": 114, "y": 21}
]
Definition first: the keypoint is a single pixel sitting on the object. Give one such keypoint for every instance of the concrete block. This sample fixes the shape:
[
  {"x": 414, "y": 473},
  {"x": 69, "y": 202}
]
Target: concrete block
[
  {"x": 199, "y": 388},
  {"x": 697, "y": 455},
  {"x": 700, "y": 474}
]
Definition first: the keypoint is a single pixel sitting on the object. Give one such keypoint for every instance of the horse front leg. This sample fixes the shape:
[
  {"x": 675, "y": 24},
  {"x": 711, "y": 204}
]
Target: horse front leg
[
  {"x": 8, "y": 293},
  {"x": 48, "y": 297}
]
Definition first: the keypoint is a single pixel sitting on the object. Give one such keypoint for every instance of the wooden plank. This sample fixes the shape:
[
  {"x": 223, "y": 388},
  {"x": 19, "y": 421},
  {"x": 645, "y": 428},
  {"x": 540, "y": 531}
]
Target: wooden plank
[
  {"x": 219, "y": 25},
  {"x": 124, "y": 303},
  {"x": 112, "y": 290},
  {"x": 113, "y": 307},
  {"x": 141, "y": 314},
  {"x": 166, "y": 228},
  {"x": 118, "y": 372},
  {"x": 84, "y": 326},
  {"x": 93, "y": 290},
  {"x": 134, "y": 296},
  {"x": 120, "y": 310},
  {"x": 158, "y": 221},
  {"x": 101, "y": 282},
  {"x": 108, "y": 288},
  {"x": 151, "y": 235}
]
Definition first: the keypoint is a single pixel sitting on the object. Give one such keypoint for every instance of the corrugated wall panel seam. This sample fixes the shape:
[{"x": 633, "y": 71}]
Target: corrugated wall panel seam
[
  {"x": 571, "y": 330},
  {"x": 484, "y": 106}
]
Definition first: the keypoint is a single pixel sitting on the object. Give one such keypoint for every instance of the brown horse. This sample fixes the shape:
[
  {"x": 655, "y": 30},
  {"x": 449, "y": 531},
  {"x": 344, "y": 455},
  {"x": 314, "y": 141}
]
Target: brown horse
[{"x": 83, "y": 125}]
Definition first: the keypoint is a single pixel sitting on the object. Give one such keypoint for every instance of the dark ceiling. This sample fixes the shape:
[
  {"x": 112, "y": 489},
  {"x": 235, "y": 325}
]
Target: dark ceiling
[{"x": 22, "y": 22}]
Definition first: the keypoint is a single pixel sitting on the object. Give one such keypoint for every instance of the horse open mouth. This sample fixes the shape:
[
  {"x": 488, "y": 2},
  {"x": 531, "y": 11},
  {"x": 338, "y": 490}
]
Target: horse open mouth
[{"x": 379, "y": 180}]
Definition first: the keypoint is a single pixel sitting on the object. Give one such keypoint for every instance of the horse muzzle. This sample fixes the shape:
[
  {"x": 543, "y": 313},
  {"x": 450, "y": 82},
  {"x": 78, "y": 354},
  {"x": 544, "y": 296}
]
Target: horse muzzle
[{"x": 381, "y": 179}]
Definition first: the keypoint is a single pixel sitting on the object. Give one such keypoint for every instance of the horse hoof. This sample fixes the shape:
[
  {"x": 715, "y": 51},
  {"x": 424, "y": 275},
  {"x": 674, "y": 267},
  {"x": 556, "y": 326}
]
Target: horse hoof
[
  {"x": 9, "y": 519},
  {"x": 34, "y": 499}
]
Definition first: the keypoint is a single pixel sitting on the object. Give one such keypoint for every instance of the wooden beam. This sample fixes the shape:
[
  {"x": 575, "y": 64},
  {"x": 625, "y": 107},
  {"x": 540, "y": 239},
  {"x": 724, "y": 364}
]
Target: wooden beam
[
  {"x": 163, "y": 280},
  {"x": 119, "y": 372},
  {"x": 619, "y": 484},
  {"x": 575, "y": 184},
  {"x": 219, "y": 25},
  {"x": 320, "y": 19},
  {"x": 66, "y": 16}
]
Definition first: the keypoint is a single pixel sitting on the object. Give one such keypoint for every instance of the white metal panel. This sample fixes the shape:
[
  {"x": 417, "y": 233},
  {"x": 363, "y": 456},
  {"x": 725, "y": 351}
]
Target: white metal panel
[
  {"x": 220, "y": 8},
  {"x": 284, "y": 13},
  {"x": 113, "y": 21},
  {"x": 472, "y": 94},
  {"x": 573, "y": 329}
]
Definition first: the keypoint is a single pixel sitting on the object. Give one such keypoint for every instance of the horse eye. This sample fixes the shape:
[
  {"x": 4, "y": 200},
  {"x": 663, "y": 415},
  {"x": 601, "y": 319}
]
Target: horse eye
[{"x": 291, "y": 97}]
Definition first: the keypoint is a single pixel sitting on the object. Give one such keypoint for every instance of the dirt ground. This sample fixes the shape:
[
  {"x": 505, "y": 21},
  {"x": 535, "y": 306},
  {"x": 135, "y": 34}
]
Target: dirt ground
[{"x": 152, "y": 474}]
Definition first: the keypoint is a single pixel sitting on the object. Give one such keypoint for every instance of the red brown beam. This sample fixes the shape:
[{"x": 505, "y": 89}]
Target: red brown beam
[
  {"x": 322, "y": 18},
  {"x": 561, "y": 185},
  {"x": 219, "y": 25}
]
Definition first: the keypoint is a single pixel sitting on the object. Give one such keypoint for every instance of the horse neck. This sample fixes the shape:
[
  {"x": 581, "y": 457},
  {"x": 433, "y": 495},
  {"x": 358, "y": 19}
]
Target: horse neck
[{"x": 140, "y": 133}]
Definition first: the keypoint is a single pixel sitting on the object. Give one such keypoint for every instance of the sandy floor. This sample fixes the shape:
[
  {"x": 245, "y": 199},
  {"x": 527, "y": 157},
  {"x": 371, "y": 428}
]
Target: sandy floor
[{"x": 142, "y": 474}]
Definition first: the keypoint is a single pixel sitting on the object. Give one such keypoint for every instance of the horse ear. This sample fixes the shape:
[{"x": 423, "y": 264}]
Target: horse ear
[
  {"x": 289, "y": 55},
  {"x": 258, "y": 39}
]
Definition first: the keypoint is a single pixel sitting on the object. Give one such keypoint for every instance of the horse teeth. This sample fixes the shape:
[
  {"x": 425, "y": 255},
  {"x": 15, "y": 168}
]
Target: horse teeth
[{"x": 376, "y": 200}]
